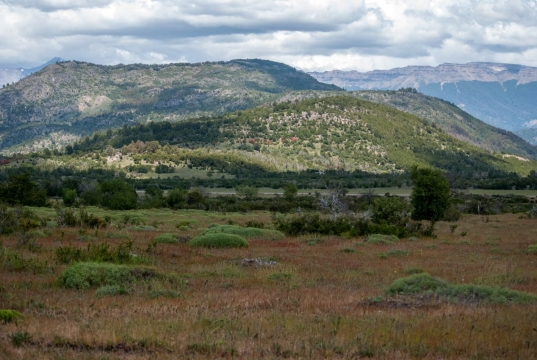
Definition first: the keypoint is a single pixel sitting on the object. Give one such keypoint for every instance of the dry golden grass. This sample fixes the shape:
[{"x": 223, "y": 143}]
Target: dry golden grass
[{"x": 312, "y": 304}]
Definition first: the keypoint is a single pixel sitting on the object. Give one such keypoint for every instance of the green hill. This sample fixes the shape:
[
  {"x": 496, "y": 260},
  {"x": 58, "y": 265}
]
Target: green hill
[
  {"x": 56, "y": 105},
  {"x": 453, "y": 121},
  {"x": 339, "y": 132}
]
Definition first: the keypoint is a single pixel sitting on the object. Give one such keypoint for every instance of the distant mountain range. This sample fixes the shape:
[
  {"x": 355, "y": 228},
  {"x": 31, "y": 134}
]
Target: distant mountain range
[
  {"x": 9, "y": 76},
  {"x": 503, "y": 95}
]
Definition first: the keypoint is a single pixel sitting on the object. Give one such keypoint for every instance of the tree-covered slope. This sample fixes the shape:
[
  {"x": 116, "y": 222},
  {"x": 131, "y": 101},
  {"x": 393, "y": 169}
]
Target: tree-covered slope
[
  {"x": 69, "y": 99},
  {"x": 340, "y": 132},
  {"x": 453, "y": 121}
]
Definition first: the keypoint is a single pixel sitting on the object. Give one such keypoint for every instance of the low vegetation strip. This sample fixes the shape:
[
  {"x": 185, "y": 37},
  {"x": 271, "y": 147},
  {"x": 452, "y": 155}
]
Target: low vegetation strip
[
  {"x": 424, "y": 283},
  {"x": 82, "y": 276},
  {"x": 219, "y": 240},
  {"x": 246, "y": 232}
]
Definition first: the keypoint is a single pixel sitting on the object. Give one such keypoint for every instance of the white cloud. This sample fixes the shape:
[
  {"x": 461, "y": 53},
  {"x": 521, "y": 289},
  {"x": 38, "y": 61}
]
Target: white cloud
[
  {"x": 530, "y": 124},
  {"x": 309, "y": 34}
]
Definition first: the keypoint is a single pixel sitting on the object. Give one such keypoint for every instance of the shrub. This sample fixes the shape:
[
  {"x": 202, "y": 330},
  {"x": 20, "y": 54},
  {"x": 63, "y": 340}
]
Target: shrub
[
  {"x": 87, "y": 275},
  {"x": 219, "y": 240},
  {"x": 116, "y": 194},
  {"x": 20, "y": 338},
  {"x": 532, "y": 249},
  {"x": 166, "y": 238},
  {"x": 381, "y": 239},
  {"x": 415, "y": 284},
  {"x": 121, "y": 254},
  {"x": 425, "y": 283},
  {"x": 246, "y": 232},
  {"x": 9, "y": 316},
  {"x": 255, "y": 224}
]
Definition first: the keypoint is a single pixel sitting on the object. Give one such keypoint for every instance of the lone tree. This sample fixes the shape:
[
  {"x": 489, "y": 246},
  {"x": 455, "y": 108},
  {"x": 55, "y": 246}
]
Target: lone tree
[{"x": 430, "y": 194}]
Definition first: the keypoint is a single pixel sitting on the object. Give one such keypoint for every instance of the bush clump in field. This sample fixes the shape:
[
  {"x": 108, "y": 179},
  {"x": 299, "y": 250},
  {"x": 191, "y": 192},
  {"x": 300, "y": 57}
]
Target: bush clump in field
[
  {"x": 415, "y": 284},
  {"x": 9, "y": 316},
  {"x": 532, "y": 249},
  {"x": 166, "y": 238},
  {"x": 381, "y": 239},
  {"x": 121, "y": 254},
  {"x": 246, "y": 232},
  {"x": 87, "y": 275},
  {"x": 219, "y": 240},
  {"x": 465, "y": 293}
]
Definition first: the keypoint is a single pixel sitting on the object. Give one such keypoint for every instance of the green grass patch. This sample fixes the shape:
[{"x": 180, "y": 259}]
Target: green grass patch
[
  {"x": 10, "y": 316},
  {"x": 382, "y": 239},
  {"x": 532, "y": 249},
  {"x": 313, "y": 242},
  {"x": 166, "y": 238},
  {"x": 82, "y": 276},
  {"x": 120, "y": 254},
  {"x": 246, "y": 232},
  {"x": 424, "y": 283},
  {"x": 219, "y": 240}
]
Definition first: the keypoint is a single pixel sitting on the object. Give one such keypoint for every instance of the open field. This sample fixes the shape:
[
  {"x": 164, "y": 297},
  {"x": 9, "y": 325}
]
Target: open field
[{"x": 317, "y": 297}]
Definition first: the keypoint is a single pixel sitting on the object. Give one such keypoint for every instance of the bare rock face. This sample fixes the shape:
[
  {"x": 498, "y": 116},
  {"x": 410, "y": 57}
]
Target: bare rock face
[{"x": 502, "y": 95}]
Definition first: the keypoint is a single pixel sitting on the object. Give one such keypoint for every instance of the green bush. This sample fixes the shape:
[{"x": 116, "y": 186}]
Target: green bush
[
  {"x": 87, "y": 275},
  {"x": 381, "y": 239},
  {"x": 415, "y": 284},
  {"x": 468, "y": 293},
  {"x": 166, "y": 238},
  {"x": 219, "y": 240},
  {"x": 36, "y": 233},
  {"x": 532, "y": 249},
  {"x": 20, "y": 338},
  {"x": 121, "y": 254},
  {"x": 246, "y": 232},
  {"x": 9, "y": 316}
]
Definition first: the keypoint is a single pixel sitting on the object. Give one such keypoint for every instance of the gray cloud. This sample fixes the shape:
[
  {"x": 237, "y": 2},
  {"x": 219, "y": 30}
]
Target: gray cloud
[{"x": 309, "y": 34}]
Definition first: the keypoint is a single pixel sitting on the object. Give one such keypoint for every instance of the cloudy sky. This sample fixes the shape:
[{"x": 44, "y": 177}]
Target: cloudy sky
[{"x": 308, "y": 34}]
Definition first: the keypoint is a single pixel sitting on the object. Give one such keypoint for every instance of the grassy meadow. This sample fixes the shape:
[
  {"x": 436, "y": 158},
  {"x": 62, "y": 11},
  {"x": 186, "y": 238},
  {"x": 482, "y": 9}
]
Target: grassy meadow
[{"x": 308, "y": 297}]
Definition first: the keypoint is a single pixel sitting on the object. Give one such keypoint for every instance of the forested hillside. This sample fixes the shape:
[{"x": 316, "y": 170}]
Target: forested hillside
[
  {"x": 66, "y": 100},
  {"x": 339, "y": 132}
]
